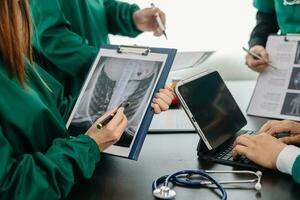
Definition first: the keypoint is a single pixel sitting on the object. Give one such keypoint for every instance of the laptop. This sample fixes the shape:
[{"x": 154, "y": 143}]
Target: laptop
[{"x": 216, "y": 117}]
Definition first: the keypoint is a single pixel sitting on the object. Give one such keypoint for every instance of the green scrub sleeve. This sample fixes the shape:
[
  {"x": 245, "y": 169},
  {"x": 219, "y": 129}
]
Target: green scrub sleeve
[
  {"x": 119, "y": 17},
  {"x": 266, "y": 6},
  {"x": 63, "y": 103},
  {"x": 296, "y": 170},
  {"x": 55, "y": 40},
  {"x": 49, "y": 175},
  {"x": 266, "y": 24}
]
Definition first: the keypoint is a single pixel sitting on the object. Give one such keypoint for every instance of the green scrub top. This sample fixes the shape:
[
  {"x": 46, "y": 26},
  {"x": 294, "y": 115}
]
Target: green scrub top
[
  {"x": 296, "y": 170},
  {"x": 39, "y": 159},
  {"x": 288, "y": 17},
  {"x": 68, "y": 34}
]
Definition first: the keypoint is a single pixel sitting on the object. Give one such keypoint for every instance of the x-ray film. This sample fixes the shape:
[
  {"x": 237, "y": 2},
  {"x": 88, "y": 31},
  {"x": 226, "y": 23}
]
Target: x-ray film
[{"x": 114, "y": 79}]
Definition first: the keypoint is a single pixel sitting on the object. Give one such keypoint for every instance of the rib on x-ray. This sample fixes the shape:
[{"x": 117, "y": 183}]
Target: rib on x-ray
[{"x": 114, "y": 81}]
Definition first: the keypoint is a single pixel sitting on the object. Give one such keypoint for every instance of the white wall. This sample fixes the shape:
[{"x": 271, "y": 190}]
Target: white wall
[{"x": 221, "y": 25}]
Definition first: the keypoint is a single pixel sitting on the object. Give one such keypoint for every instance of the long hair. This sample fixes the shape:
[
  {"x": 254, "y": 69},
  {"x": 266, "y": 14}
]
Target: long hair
[{"x": 15, "y": 37}]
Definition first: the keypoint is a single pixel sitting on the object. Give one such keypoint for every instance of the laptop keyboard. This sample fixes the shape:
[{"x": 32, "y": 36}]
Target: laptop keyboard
[{"x": 226, "y": 154}]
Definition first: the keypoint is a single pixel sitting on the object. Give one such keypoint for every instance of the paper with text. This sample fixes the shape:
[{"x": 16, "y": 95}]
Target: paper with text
[{"x": 277, "y": 92}]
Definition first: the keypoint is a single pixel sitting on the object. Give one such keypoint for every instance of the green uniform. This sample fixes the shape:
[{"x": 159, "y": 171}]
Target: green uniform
[
  {"x": 288, "y": 17},
  {"x": 296, "y": 170},
  {"x": 39, "y": 160},
  {"x": 68, "y": 34}
]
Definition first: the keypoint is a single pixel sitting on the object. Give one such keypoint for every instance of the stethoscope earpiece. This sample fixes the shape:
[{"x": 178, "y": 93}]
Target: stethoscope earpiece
[
  {"x": 259, "y": 173},
  {"x": 257, "y": 186}
]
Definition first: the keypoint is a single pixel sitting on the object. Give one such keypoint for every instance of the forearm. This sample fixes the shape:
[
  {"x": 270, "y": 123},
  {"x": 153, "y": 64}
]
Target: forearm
[
  {"x": 50, "y": 175},
  {"x": 119, "y": 17},
  {"x": 288, "y": 161},
  {"x": 266, "y": 24}
]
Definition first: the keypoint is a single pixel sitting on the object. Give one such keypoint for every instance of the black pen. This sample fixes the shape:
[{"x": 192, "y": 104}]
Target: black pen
[{"x": 106, "y": 120}]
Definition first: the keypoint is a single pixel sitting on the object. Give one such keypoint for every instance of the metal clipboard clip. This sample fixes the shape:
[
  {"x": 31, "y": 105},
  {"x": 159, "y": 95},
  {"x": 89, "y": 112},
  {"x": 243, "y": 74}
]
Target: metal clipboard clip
[
  {"x": 141, "y": 50},
  {"x": 292, "y": 38}
]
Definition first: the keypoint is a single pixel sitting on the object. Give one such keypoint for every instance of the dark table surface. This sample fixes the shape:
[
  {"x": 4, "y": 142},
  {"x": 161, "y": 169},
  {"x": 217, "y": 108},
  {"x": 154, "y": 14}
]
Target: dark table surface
[{"x": 119, "y": 178}]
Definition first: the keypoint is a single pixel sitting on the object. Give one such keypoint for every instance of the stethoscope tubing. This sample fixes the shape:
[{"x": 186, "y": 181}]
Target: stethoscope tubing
[{"x": 173, "y": 178}]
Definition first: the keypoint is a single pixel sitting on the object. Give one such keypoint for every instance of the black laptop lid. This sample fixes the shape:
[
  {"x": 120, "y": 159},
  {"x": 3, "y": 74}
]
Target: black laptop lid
[{"x": 213, "y": 108}]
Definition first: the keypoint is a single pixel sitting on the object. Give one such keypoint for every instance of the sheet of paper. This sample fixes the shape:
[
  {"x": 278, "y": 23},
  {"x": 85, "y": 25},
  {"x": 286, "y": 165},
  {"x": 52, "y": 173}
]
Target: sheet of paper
[
  {"x": 185, "y": 60},
  {"x": 277, "y": 92},
  {"x": 171, "y": 121}
]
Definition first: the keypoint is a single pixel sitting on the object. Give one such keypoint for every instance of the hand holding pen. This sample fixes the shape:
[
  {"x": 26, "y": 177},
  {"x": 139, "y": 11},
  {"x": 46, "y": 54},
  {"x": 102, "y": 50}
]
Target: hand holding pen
[
  {"x": 107, "y": 119},
  {"x": 257, "y": 58},
  {"x": 161, "y": 25},
  {"x": 150, "y": 19},
  {"x": 111, "y": 130}
]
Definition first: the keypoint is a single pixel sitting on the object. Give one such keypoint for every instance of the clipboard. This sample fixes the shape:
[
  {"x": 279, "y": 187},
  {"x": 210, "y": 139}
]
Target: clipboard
[
  {"x": 132, "y": 74},
  {"x": 277, "y": 91}
]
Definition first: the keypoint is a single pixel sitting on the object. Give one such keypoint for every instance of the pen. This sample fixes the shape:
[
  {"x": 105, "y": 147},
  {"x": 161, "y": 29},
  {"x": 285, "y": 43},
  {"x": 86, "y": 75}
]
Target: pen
[
  {"x": 106, "y": 120},
  {"x": 259, "y": 57},
  {"x": 159, "y": 22}
]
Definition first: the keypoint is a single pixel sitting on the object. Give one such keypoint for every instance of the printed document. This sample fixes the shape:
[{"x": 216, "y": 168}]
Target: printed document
[{"x": 277, "y": 92}]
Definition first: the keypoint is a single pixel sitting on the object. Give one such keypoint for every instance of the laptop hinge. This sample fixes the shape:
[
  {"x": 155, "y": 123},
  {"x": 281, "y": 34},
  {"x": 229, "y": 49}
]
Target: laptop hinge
[{"x": 201, "y": 148}]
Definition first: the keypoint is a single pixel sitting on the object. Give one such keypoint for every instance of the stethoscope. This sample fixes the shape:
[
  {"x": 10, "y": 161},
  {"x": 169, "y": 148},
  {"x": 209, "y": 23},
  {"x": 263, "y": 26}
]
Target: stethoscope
[
  {"x": 185, "y": 178},
  {"x": 291, "y": 2}
]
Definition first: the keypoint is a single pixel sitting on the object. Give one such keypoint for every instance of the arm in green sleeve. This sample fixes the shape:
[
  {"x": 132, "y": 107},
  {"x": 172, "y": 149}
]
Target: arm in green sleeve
[
  {"x": 266, "y": 24},
  {"x": 54, "y": 39},
  {"x": 46, "y": 176},
  {"x": 119, "y": 18},
  {"x": 296, "y": 170}
]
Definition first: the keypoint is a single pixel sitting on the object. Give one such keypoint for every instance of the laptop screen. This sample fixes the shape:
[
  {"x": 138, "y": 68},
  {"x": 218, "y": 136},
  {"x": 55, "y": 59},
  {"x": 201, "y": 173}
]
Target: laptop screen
[{"x": 213, "y": 108}]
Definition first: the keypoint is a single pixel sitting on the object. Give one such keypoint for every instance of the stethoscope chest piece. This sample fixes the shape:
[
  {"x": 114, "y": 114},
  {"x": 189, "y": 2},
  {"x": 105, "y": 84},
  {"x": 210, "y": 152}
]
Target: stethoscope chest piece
[{"x": 164, "y": 192}]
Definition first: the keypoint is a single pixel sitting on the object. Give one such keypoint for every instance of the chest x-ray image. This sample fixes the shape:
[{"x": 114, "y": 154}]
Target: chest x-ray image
[
  {"x": 291, "y": 104},
  {"x": 295, "y": 79},
  {"x": 116, "y": 81}
]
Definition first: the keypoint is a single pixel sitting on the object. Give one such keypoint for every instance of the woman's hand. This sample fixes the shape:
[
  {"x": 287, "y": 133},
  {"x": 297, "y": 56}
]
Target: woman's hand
[
  {"x": 111, "y": 133},
  {"x": 144, "y": 20},
  {"x": 262, "y": 149},
  {"x": 163, "y": 100},
  {"x": 292, "y": 128},
  {"x": 256, "y": 64}
]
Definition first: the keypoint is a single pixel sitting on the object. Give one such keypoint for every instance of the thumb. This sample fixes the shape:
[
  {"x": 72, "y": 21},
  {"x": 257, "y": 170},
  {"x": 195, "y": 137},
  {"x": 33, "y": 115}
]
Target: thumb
[
  {"x": 291, "y": 140},
  {"x": 157, "y": 32}
]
